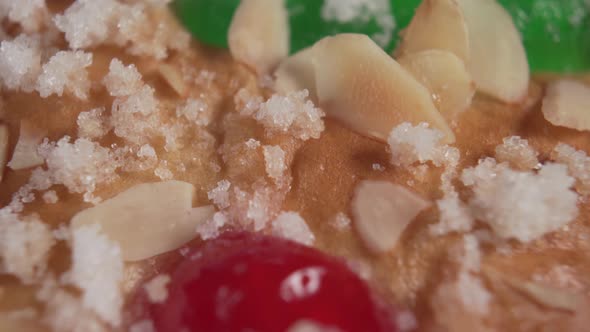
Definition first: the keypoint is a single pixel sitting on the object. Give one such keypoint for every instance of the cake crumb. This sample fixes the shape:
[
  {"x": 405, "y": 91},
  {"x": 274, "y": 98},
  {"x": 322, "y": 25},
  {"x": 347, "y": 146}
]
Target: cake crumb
[
  {"x": 97, "y": 269},
  {"x": 65, "y": 71},
  {"x": 518, "y": 153},
  {"x": 521, "y": 205},
  {"x": 293, "y": 114},
  {"x": 50, "y": 197},
  {"x": 578, "y": 164},
  {"x": 122, "y": 80},
  {"x": 274, "y": 158},
  {"x": 156, "y": 288},
  {"x": 292, "y": 226}
]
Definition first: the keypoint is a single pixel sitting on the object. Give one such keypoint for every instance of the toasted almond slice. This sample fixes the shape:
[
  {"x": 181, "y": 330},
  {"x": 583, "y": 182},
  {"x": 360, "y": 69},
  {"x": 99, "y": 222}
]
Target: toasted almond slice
[
  {"x": 547, "y": 296},
  {"x": 498, "y": 62},
  {"x": 362, "y": 86},
  {"x": 148, "y": 219},
  {"x": 381, "y": 212},
  {"x": 437, "y": 24},
  {"x": 445, "y": 75},
  {"x": 567, "y": 103},
  {"x": 3, "y": 148},
  {"x": 296, "y": 73},
  {"x": 259, "y": 34},
  {"x": 173, "y": 77},
  {"x": 25, "y": 153}
]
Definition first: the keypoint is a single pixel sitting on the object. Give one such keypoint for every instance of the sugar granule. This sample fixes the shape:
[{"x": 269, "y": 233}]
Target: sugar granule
[
  {"x": 122, "y": 80},
  {"x": 578, "y": 164},
  {"x": 347, "y": 11},
  {"x": 252, "y": 144},
  {"x": 93, "y": 124},
  {"x": 50, "y": 197},
  {"x": 293, "y": 114},
  {"x": 211, "y": 228},
  {"x": 409, "y": 144},
  {"x": 220, "y": 194},
  {"x": 196, "y": 111},
  {"x": 20, "y": 63},
  {"x": 156, "y": 288},
  {"x": 87, "y": 23},
  {"x": 521, "y": 205},
  {"x": 97, "y": 269},
  {"x": 291, "y": 225},
  {"x": 455, "y": 216},
  {"x": 135, "y": 117},
  {"x": 341, "y": 221},
  {"x": 143, "y": 326},
  {"x": 65, "y": 312},
  {"x": 163, "y": 172},
  {"x": 30, "y": 14},
  {"x": 517, "y": 152},
  {"x": 274, "y": 158},
  {"x": 80, "y": 166},
  {"x": 65, "y": 71},
  {"x": 24, "y": 246}
]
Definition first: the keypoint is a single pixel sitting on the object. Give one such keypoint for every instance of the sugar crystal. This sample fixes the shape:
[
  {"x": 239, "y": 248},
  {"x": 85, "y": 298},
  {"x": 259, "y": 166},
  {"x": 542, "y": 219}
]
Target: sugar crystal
[
  {"x": 65, "y": 71},
  {"x": 291, "y": 226}
]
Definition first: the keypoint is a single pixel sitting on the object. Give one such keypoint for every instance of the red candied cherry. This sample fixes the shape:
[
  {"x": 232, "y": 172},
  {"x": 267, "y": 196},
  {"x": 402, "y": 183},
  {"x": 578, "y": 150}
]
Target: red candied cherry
[{"x": 251, "y": 282}]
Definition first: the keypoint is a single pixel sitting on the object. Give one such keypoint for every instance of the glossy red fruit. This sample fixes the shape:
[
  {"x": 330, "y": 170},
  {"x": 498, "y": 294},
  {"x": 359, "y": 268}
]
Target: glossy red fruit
[{"x": 248, "y": 282}]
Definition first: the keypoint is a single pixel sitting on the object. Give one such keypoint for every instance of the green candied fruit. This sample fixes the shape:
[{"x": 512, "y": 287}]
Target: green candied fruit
[{"x": 556, "y": 33}]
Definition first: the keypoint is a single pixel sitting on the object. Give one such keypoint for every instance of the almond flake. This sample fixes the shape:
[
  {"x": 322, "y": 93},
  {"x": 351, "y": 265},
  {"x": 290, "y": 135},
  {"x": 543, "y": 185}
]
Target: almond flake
[
  {"x": 296, "y": 73},
  {"x": 148, "y": 219},
  {"x": 566, "y": 103},
  {"x": 382, "y": 211},
  {"x": 3, "y": 148},
  {"x": 447, "y": 78},
  {"x": 437, "y": 24},
  {"x": 547, "y": 296},
  {"x": 173, "y": 77},
  {"x": 259, "y": 34},
  {"x": 25, "y": 153},
  {"x": 362, "y": 86},
  {"x": 498, "y": 62}
]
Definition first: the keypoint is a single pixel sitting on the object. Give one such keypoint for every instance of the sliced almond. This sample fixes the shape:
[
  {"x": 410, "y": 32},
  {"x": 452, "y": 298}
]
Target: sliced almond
[
  {"x": 3, "y": 148},
  {"x": 173, "y": 77},
  {"x": 296, "y": 73},
  {"x": 362, "y": 86},
  {"x": 25, "y": 153},
  {"x": 259, "y": 34},
  {"x": 498, "y": 62},
  {"x": 148, "y": 219},
  {"x": 567, "y": 103},
  {"x": 381, "y": 212},
  {"x": 437, "y": 24},
  {"x": 544, "y": 295},
  {"x": 445, "y": 75}
]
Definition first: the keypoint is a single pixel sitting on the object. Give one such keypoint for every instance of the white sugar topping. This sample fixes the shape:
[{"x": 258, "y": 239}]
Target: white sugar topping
[
  {"x": 65, "y": 71},
  {"x": 291, "y": 226}
]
